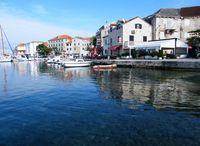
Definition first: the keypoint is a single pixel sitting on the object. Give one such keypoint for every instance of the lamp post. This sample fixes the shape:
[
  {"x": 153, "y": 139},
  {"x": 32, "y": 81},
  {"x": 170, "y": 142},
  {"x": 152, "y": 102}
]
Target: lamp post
[
  {"x": 130, "y": 52},
  {"x": 175, "y": 46}
]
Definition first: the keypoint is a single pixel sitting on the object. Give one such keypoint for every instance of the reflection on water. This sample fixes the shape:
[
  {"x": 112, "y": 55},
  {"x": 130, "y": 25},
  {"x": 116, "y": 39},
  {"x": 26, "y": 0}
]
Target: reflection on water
[
  {"x": 47, "y": 105},
  {"x": 162, "y": 89}
]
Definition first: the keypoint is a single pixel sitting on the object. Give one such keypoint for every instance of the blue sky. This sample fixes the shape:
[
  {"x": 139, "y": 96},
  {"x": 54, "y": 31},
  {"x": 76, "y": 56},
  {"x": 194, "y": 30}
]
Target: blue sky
[{"x": 27, "y": 20}]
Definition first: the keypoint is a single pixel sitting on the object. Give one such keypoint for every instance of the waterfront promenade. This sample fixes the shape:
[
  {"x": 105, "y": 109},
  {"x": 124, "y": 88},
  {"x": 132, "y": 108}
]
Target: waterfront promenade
[{"x": 193, "y": 64}]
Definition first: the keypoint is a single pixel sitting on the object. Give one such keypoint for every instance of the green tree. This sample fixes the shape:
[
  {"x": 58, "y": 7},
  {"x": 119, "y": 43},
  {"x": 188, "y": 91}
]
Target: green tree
[
  {"x": 56, "y": 51},
  {"x": 89, "y": 48},
  {"x": 94, "y": 41},
  {"x": 195, "y": 40},
  {"x": 43, "y": 50}
]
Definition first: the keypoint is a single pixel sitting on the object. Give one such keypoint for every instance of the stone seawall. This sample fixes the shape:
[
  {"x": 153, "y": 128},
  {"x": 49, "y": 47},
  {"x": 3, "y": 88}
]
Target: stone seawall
[{"x": 193, "y": 64}]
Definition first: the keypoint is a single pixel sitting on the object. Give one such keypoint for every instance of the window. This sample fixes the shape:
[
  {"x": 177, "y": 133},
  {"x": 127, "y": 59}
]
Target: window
[
  {"x": 118, "y": 26},
  {"x": 138, "y": 26},
  {"x": 131, "y": 38},
  {"x": 144, "y": 38},
  {"x": 110, "y": 41},
  {"x": 119, "y": 39},
  {"x": 105, "y": 42}
]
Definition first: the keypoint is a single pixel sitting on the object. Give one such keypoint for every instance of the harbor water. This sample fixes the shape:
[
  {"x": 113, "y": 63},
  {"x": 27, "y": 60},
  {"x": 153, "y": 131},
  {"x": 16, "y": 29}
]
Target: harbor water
[{"x": 44, "y": 104}]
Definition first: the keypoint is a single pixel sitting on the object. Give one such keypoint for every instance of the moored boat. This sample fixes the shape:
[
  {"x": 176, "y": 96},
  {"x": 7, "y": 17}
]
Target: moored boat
[
  {"x": 76, "y": 63},
  {"x": 22, "y": 58},
  {"x": 111, "y": 66},
  {"x": 5, "y": 59},
  {"x": 54, "y": 60}
]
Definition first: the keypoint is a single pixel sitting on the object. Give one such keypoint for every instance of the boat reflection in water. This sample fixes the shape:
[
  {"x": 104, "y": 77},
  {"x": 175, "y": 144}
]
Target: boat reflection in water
[
  {"x": 161, "y": 89},
  {"x": 134, "y": 87},
  {"x": 47, "y": 105},
  {"x": 65, "y": 73}
]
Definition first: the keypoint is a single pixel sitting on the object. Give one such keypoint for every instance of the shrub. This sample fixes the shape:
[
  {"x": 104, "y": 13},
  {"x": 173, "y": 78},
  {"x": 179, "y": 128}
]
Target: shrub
[
  {"x": 160, "y": 53},
  {"x": 170, "y": 56}
]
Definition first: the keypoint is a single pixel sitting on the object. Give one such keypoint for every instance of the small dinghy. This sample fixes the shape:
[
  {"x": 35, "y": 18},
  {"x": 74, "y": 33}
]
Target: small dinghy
[{"x": 111, "y": 66}]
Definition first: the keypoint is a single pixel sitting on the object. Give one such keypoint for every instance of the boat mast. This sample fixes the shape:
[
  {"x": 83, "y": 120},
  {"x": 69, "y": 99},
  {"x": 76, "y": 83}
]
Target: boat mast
[{"x": 2, "y": 40}]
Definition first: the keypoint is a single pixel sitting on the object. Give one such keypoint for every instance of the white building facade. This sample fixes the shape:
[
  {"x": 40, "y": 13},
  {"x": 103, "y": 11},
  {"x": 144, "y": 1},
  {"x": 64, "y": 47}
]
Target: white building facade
[
  {"x": 78, "y": 47},
  {"x": 59, "y": 43},
  {"x": 31, "y": 48},
  {"x": 71, "y": 47},
  {"x": 125, "y": 34},
  {"x": 20, "y": 49}
]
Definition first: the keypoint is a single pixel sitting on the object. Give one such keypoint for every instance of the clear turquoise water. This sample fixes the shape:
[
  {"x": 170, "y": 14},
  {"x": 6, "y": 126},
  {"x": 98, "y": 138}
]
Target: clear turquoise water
[{"x": 46, "y": 105}]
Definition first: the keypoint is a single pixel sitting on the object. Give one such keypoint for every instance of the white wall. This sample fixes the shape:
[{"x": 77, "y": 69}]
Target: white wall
[
  {"x": 20, "y": 50},
  {"x": 139, "y": 33},
  {"x": 31, "y": 48},
  {"x": 78, "y": 47}
]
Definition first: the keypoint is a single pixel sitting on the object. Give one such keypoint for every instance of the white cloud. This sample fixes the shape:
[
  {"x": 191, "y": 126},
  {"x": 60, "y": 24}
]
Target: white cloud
[
  {"x": 20, "y": 28},
  {"x": 40, "y": 9}
]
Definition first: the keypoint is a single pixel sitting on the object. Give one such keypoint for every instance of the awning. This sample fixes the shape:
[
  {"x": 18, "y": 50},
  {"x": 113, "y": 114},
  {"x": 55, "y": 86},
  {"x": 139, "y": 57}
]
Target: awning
[
  {"x": 114, "y": 48},
  {"x": 157, "y": 45},
  {"x": 95, "y": 51}
]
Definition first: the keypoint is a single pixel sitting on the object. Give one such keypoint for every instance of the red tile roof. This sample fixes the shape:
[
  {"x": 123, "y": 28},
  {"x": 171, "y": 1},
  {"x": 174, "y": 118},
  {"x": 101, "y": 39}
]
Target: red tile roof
[
  {"x": 21, "y": 45},
  {"x": 46, "y": 44},
  {"x": 61, "y": 37},
  {"x": 113, "y": 24},
  {"x": 36, "y": 42},
  {"x": 85, "y": 38}
]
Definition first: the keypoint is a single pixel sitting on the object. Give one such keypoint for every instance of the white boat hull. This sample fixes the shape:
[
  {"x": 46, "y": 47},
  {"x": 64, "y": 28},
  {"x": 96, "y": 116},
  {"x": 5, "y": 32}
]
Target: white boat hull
[
  {"x": 5, "y": 60},
  {"x": 66, "y": 65},
  {"x": 22, "y": 60},
  {"x": 76, "y": 63}
]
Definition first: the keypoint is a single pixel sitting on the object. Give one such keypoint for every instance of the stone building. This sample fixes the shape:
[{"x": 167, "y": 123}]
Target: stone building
[
  {"x": 191, "y": 19},
  {"x": 174, "y": 23}
]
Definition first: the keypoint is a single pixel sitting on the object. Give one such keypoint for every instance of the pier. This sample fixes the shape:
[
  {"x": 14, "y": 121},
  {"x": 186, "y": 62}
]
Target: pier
[{"x": 186, "y": 64}]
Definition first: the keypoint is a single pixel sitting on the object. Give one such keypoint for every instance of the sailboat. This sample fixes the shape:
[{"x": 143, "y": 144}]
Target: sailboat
[{"x": 3, "y": 56}]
